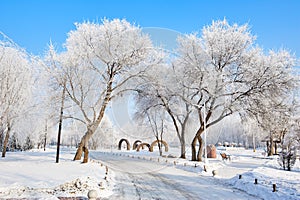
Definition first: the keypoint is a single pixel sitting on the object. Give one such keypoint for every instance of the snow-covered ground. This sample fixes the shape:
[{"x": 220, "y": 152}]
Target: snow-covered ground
[
  {"x": 36, "y": 175},
  {"x": 267, "y": 174},
  {"x": 250, "y": 165}
]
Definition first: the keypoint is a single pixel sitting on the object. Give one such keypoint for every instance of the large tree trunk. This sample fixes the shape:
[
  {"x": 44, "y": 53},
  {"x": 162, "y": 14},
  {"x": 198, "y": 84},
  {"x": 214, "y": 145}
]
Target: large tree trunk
[
  {"x": 86, "y": 155},
  {"x": 6, "y": 140},
  {"x": 182, "y": 143},
  {"x": 91, "y": 128},
  {"x": 200, "y": 150},
  {"x": 194, "y": 151},
  {"x": 160, "y": 148},
  {"x": 271, "y": 146},
  {"x": 1, "y": 135},
  {"x": 272, "y": 151},
  {"x": 182, "y": 137},
  {"x": 197, "y": 156},
  {"x": 83, "y": 146},
  {"x": 79, "y": 151}
]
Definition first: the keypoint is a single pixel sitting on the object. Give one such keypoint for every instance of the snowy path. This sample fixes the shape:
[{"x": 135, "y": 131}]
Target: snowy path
[{"x": 141, "y": 179}]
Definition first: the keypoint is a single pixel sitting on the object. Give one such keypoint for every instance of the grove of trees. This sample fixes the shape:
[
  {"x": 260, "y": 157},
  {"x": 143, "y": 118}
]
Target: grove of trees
[{"x": 211, "y": 76}]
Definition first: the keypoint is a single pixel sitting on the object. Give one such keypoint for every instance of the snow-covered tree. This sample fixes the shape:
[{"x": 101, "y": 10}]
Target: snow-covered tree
[
  {"x": 290, "y": 140},
  {"x": 153, "y": 116},
  {"x": 160, "y": 92},
  {"x": 276, "y": 114},
  {"x": 225, "y": 74},
  {"x": 294, "y": 135},
  {"x": 99, "y": 63},
  {"x": 15, "y": 86}
]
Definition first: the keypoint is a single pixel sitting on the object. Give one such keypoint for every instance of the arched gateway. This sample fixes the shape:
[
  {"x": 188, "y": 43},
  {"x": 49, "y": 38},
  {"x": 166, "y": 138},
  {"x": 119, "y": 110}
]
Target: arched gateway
[
  {"x": 127, "y": 142},
  {"x": 142, "y": 145},
  {"x": 136, "y": 144},
  {"x": 161, "y": 142}
]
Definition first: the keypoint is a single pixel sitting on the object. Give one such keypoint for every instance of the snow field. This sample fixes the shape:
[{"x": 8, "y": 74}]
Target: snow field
[{"x": 36, "y": 175}]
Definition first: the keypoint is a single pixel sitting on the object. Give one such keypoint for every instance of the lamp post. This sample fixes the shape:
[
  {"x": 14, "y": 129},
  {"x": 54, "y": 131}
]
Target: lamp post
[{"x": 205, "y": 149}]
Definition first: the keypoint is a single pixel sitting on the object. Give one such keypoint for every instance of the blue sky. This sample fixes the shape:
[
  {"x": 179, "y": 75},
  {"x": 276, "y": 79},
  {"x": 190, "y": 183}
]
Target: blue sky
[{"x": 32, "y": 23}]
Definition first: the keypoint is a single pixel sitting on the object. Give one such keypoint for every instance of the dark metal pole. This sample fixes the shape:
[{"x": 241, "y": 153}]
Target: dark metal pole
[{"x": 60, "y": 122}]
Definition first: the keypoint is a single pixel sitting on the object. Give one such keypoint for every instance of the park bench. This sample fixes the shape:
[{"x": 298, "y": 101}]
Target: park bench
[{"x": 225, "y": 156}]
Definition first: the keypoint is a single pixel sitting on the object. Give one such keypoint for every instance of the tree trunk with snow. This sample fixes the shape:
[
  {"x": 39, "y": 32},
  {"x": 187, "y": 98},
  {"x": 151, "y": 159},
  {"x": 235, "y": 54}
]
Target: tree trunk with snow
[
  {"x": 5, "y": 143},
  {"x": 197, "y": 140},
  {"x": 254, "y": 144},
  {"x": 183, "y": 131},
  {"x": 271, "y": 146},
  {"x": 180, "y": 133},
  {"x": 182, "y": 149},
  {"x": 83, "y": 146},
  {"x": 1, "y": 136},
  {"x": 45, "y": 136},
  {"x": 159, "y": 146}
]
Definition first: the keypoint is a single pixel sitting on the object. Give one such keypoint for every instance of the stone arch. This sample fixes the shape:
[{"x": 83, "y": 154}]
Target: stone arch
[
  {"x": 142, "y": 146},
  {"x": 135, "y": 144},
  {"x": 162, "y": 142},
  {"x": 127, "y": 142}
]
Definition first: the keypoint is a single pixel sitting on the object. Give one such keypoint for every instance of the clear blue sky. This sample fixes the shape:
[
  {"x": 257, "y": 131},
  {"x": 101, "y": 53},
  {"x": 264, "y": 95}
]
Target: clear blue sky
[{"x": 31, "y": 23}]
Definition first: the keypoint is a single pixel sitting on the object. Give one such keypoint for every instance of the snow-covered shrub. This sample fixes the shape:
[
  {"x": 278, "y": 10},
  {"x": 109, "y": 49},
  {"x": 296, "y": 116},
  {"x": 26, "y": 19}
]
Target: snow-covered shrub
[
  {"x": 287, "y": 158},
  {"x": 14, "y": 144},
  {"x": 28, "y": 144}
]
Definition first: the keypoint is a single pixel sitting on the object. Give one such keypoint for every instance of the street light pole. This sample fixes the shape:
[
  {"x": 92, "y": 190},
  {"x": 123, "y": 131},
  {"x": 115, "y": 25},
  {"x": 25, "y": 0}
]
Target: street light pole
[{"x": 205, "y": 149}]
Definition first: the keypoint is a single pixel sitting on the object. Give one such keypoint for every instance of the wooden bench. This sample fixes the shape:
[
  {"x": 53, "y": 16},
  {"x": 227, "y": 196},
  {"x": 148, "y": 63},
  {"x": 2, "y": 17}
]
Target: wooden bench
[{"x": 225, "y": 156}]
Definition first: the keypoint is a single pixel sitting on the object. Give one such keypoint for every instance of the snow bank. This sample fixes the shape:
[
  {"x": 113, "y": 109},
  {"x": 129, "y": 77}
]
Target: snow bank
[{"x": 287, "y": 183}]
